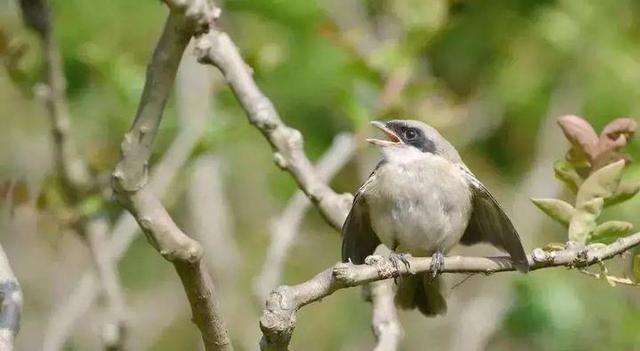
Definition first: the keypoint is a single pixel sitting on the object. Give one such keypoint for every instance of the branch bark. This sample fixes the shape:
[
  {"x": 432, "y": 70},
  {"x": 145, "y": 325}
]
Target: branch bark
[
  {"x": 71, "y": 168},
  {"x": 131, "y": 186},
  {"x": 285, "y": 228},
  {"x": 124, "y": 231},
  {"x": 73, "y": 173},
  {"x": 278, "y": 321},
  {"x": 115, "y": 329},
  {"x": 10, "y": 304},
  {"x": 216, "y": 48},
  {"x": 386, "y": 326}
]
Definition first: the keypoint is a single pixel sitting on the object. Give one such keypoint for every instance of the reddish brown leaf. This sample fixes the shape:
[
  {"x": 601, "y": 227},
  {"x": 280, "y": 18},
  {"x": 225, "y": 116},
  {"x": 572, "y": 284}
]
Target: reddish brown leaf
[
  {"x": 617, "y": 127},
  {"x": 612, "y": 140},
  {"x": 583, "y": 139}
]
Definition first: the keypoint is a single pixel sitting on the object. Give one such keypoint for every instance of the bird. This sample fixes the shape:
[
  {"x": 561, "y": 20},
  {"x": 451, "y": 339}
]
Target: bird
[{"x": 421, "y": 200}]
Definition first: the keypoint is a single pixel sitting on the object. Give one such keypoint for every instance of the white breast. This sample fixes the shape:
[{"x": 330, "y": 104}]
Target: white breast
[{"x": 419, "y": 203}]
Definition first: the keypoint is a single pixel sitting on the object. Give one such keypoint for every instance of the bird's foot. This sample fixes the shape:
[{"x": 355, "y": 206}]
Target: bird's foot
[
  {"x": 437, "y": 263},
  {"x": 396, "y": 258}
]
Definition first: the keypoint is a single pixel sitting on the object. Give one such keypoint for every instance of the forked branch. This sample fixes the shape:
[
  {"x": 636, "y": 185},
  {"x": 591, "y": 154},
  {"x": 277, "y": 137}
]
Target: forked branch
[{"x": 133, "y": 191}]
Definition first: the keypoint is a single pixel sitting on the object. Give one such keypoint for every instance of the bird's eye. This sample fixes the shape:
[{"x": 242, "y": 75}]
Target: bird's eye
[{"x": 410, "y": 134}]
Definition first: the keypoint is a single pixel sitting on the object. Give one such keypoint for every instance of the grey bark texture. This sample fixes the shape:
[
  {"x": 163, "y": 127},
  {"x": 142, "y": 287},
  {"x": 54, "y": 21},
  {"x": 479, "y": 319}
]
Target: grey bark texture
[
  {"x": 284, "y": 230},
  {"x": 75, "y": 179},
  {"x": 10, "y": 304},
  {"x": 278, "y": 320},
  {"x": 130, "y": 181}
]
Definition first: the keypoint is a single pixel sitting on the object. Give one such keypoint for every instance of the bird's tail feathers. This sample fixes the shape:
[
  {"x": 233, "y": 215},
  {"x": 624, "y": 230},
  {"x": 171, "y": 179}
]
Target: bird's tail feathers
[{"x": 423, "y": 292}]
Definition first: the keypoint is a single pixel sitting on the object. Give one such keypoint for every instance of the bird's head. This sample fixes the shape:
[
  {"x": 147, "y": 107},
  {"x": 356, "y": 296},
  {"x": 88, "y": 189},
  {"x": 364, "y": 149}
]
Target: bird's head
[{"x": 411, "y": 136}]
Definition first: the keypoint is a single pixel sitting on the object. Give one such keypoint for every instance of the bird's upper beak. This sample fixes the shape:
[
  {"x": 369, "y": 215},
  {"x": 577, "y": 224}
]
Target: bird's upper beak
[{"x": 392, "y": 137}]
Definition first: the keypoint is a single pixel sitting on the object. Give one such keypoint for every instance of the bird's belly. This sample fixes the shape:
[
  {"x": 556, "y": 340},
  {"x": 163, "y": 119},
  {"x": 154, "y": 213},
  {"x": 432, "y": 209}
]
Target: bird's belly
[{"x": 419, "y": 216}]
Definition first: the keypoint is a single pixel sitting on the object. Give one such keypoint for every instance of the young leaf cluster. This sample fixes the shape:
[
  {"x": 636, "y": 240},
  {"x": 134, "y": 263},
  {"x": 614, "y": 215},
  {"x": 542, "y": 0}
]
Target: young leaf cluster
[{"x": 592, "y": 170}]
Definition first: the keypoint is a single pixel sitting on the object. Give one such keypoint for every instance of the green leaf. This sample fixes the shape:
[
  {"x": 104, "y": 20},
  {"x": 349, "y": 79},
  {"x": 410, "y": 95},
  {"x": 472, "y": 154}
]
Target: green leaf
[
  {"x": 566, "y": 173},
  {"x": 601, "y": 184},
  {"x": 556, "y": 209},
  {"x": 583, "y": 222},
  {"x": 593, "y": 206},
  {"x": 581, "y": 226},
  {"x": 90, "y": 206},
  {"x": 625, "y": 191},
  {"x": 613, "y": 229}
]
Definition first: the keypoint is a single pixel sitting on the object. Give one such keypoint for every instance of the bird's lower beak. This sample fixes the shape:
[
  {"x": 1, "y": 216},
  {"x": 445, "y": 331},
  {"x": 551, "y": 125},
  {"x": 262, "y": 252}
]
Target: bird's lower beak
[{"x": 392, "y": 137}]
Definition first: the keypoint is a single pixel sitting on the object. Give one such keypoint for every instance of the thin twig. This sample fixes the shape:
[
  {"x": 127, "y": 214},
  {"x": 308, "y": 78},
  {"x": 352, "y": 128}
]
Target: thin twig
[
  {"x": 610, "y": 279},
  {"x": 210, "y": 216},
  {"x": 216, "y": 48},
  {"x": 124, "y": 231},
  {"x": 286, "y": 227},
  {"x": 114, "y": 330},
  {"x": 10, "y": 304},
  {"x": 132, "y": 189},
  {"x": 278, "y": 320},
  {"x": 71, "y": 168},
  {"x": 386, "y": 326},
  {"x": 73, "y": 173}
]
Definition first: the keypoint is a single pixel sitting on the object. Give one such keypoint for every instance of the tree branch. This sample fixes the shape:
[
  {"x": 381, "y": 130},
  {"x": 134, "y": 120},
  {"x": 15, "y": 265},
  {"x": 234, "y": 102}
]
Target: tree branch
[
  {"x": 115, "y": 329},
  {"x": 124, "y": 231},
  {"x": 216, "y": 48},
  {"x": 286, "y": 227},
  {"x": 71, "y": 168},
  {"x": 132, "y": 189},
  {"x": 278, "y": 321},
  {"x": 386, "y": 326},
  {"x": 10, "y": 304},
  {"x": 73, "y": 173}
]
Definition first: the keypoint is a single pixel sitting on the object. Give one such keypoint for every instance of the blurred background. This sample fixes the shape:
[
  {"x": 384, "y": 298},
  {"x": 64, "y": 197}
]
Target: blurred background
[{"x": 492, "y": 75}]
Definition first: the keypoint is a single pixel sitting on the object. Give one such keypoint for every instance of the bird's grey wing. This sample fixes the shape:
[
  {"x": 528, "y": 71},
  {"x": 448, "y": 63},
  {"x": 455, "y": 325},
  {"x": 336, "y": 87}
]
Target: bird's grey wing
[
  {"x": 358, "y": 238},
  {"x": 490, "y": 224}
]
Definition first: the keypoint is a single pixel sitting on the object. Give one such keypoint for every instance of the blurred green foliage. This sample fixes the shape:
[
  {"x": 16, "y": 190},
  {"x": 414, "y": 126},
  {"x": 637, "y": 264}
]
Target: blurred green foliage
[{"x": 488, "y": 73}]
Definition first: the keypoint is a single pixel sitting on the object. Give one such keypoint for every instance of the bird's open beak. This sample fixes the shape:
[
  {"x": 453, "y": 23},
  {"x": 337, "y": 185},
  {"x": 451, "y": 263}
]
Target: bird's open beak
[{"x": 392, "y": 137}]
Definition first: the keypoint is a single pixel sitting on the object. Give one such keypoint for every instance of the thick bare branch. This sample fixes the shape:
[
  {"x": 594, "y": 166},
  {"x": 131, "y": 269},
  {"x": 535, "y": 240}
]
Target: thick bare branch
[
  {"x": 10, "y": 304},
  {"x": 278, "y": 320},
  {"x": 216, "y": 48},
  {"x": 133, "y": 191},
  {"x": 130, "y": 174}
]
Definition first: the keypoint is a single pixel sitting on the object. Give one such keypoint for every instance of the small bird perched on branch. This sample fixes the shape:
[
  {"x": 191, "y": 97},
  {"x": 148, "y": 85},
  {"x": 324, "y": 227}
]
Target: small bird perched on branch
[{"x": 421, "y": 200}]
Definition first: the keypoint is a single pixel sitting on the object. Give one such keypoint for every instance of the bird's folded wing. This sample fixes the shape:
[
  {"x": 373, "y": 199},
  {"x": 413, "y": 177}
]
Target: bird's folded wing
[
  {"x": 358, "y": 238},
  {"x": 490, "y": 224}
]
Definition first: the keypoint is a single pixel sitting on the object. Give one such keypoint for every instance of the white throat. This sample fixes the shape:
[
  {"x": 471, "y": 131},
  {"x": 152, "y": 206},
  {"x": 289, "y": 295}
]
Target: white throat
[{"x": 402, "y": 154}]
